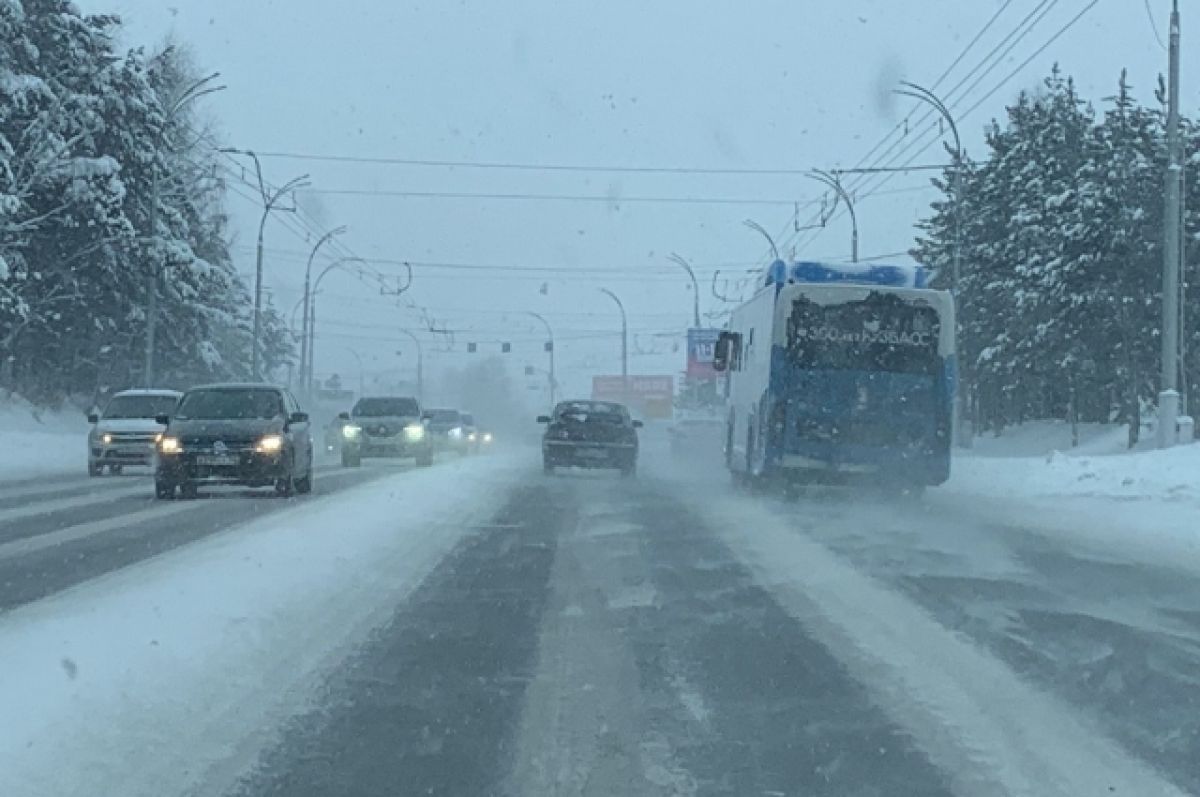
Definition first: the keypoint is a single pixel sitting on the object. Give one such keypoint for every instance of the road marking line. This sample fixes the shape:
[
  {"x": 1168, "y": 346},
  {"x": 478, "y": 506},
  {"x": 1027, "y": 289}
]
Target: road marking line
[
  {"x": 74, "y": 502},
  {"x": 28, "y": 545}
]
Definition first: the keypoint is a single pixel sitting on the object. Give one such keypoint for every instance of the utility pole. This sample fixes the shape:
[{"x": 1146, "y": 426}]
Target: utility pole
[
  {"x": 1168, "y": 397},
  {"x": 193, "y": 92},
  {"x": 420, "y": 365},
  {"x": 550, "y": 349},
  {"x": 269, "y": 200},
  {"x": 305, "y": 364},
  {"x": 926, "y": 96},
  {"x": 624, "y": 345},
  {"x": 676, "y": 259},
  {"x": 307, "y": 382}
]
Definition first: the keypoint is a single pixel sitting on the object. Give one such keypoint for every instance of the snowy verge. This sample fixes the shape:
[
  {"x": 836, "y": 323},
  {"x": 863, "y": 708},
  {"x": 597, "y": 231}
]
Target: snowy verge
[
  {"x": 987, "y": 729},
  {"x": 40, "y": 442},
  {"x": 1144, "y": 504},
  {"x": 169, "y": 676}
]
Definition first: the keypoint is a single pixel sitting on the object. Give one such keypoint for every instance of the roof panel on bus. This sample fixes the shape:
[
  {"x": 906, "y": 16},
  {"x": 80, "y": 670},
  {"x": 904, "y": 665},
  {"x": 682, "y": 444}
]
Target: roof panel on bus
[{"x": 894, "y": 276}]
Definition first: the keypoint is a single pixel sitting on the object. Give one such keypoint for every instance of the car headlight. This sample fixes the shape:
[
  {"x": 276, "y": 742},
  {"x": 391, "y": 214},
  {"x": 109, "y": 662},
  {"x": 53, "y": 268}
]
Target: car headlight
[
  {"x": 106, "y": 438},
  {"x": 269, "y": 444},
  {"x": 487, "y": 437},
  {"x": 563, "y": 434},
  {"x": 472, "y": 437},
  {"x": 170, "y": 445},
  {"x": 414, "y": 432},
  {"x": 350, "y": 431}
]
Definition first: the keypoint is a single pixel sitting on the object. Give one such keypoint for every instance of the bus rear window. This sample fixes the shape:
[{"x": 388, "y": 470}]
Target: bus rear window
[{"x": 880, "y": 333}]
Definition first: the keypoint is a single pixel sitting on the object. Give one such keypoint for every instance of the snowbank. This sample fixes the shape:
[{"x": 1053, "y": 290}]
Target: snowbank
[
  {"x": 1143, "y": 504},
  {"x": 1172, "y": 475},
  {"x": 40, "y": 442},
  {"x": 169, "y": 676}
]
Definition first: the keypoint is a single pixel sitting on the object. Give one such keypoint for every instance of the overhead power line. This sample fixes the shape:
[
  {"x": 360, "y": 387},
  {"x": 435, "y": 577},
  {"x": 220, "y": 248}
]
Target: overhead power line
[{"x": 532, "y": 167}]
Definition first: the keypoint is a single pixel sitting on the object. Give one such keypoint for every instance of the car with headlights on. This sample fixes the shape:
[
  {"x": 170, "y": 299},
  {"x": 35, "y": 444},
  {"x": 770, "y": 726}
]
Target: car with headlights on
[
  {"x": 590, "y": 434},
  {"x": 235, "y": 434},
  {"x": 471, "y": 432},
  {"x": 127, "y": 430},
  {"x": 448, "y": 430},
  {"x": 385, "y": 426}
]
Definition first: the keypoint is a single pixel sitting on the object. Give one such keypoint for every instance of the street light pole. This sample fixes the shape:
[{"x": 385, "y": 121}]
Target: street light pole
[
  {"x": 312, "y": 320},
  {"x": 362, "y": 380},
  {"x": 929, "y": 98},
  {"x": 193, "y": 92},
  {"x": 420, "y": 365},
  {"x": 269, "y": 200},
  {"x": 1168, "y": 398},
  {"x": 305, "y": 363},
  {"x": 674, "y": 258},
  {"x": 624, "y": 346},
  {"x": 834, "y": 182},
  {"x": 550, "y": 349}
]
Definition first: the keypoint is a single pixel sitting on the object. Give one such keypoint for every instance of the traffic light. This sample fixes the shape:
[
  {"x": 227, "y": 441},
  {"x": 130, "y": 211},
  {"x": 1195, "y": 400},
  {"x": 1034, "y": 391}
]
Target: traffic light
[
  {"x": 472, "y": 348},
  {"x": 506, "y": 347},
  {"x": 549, "y": 346}
]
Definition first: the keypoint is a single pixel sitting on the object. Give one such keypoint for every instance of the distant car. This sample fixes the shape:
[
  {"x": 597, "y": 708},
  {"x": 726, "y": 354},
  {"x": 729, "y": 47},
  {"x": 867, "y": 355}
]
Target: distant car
[
  {"x": 236, "y": 434},
  {"x": 385, "y": 426},
  {"x": 448, "y": 430},
  {"x": 470, "y": 431},
  {"x": 702, "y": 437},
  {"x": 590, "y": 434},
  {"x": 126, "y": 432}
]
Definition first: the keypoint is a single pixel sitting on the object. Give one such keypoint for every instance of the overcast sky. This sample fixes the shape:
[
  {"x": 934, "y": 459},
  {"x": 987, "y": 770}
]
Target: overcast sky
[{"x": 786, "y": 85}]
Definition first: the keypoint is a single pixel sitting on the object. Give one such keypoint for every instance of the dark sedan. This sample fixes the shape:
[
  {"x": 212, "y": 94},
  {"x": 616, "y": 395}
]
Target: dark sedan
[
  {"x": 253, "y": 435},
  {"x": 590, "y": 434}
]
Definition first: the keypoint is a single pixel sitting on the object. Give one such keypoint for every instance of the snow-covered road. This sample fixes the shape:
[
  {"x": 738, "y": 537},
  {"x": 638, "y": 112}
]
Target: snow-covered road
[{"x": 478, "y": 628}]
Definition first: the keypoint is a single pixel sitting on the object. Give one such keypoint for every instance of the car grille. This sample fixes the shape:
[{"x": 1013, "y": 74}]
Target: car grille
[
  {"x": 143, "y": 438},
  {"x": 208, "y": 442},
  {"x": 382, "y": 429}
]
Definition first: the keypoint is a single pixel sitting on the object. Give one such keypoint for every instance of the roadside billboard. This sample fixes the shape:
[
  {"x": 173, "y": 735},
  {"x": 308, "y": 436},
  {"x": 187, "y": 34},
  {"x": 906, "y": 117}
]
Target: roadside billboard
[
  {"x": 701, "y": 345},
  {"x": 648, "y": 397}
]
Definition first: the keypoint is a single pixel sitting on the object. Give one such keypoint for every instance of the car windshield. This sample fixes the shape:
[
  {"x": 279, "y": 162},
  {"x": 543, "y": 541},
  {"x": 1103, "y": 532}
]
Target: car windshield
[
  {"x": 591, "y": 412},
  {"x": 385, "y": 408},
  {"x": 444, "y": 416},
  {"x": 230, "y": 405},
  {"x": 468, "y": 420},
  {"x": 139, "y": 406}
]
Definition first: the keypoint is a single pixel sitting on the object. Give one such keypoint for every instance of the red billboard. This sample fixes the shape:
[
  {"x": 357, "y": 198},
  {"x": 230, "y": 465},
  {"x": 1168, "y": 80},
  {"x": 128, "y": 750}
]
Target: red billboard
[{"x": 648, "y": 397}]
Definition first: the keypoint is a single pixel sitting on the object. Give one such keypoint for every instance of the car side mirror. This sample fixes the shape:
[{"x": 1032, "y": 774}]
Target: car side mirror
[
  {"x": 343, "y": 416},
  {"x": 638, "y": 424},
  {"x": 298, "y": 417},
  {"x": 162, "y": 420},
  {"x": 543, "y": 419},
  {"x": 93, "y": 417}
]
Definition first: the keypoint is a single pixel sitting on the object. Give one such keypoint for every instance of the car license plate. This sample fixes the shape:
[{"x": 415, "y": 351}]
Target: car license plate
[
  {"x": 592, "y": 453},
  {"x": 217, "y": 460}
]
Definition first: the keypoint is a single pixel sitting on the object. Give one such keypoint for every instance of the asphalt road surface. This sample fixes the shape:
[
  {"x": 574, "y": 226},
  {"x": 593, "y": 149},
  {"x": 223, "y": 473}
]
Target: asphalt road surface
[{"x": 604, "y": 636}]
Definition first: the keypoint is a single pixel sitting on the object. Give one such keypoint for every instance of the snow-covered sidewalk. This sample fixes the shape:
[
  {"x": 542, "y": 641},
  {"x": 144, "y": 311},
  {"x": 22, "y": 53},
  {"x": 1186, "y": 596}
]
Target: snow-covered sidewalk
[
  {"x": 167, "y": 677},
  {"x": 1145, "y": 502},
  {"x": 39, "y": 442}
]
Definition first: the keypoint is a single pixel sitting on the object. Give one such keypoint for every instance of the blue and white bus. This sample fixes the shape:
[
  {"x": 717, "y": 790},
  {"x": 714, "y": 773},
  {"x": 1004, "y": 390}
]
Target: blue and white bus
[{"x": 834, "y": 371}]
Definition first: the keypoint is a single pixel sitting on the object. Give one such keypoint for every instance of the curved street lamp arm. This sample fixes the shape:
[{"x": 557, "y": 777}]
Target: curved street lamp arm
[
  {"x": 754, "y": 225},
  {"x": 929, "y": 98},
  {"x": 291, "y": 185}
]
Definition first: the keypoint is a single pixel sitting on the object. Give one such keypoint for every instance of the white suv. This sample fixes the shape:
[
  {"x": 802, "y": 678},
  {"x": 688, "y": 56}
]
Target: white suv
[{"x": 126, "y": 432}]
